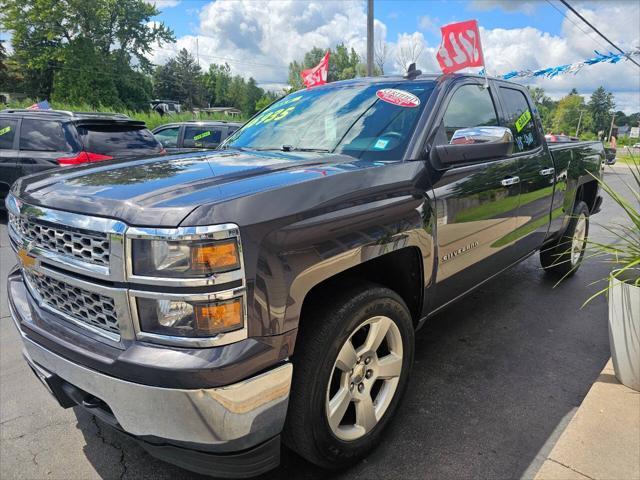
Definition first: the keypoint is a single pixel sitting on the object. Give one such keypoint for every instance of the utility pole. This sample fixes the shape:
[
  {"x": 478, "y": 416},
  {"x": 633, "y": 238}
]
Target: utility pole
[
  {"x": 198, "y": 51},
  {"x": 369, "y": 38},
  {"x": 579, "y": 121},
  {"x": 613, "y": 116}
]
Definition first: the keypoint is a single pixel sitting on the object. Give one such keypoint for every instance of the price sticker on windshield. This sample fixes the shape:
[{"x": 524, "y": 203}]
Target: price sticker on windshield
[
  {"x": 202, "y": 135},
  {"x": 401, "y": 98}
]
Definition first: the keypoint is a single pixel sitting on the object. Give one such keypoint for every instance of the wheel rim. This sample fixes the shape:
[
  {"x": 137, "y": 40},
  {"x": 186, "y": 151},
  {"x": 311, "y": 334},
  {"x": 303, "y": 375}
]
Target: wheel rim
[
  {"x": 579, "y": 239},
  {"x": 364, "y": 378}
]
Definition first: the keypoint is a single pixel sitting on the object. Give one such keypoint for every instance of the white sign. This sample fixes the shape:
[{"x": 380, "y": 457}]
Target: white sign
[{"x": 634, "y": 132}]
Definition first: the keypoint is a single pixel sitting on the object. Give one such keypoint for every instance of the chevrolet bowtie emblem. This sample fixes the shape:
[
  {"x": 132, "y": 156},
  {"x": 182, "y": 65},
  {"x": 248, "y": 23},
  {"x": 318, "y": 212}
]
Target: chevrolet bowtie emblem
[{"x": 27, "y": 260}]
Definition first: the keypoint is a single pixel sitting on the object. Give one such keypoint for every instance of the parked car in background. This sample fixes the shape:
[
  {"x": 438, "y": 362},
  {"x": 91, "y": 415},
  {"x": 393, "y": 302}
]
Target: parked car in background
[
  {"x": 195, "y": 135},
  {"x": 552, "y": 138},
  {"x": 636, "y": 145},
  {"x": 35, "y": 140}
]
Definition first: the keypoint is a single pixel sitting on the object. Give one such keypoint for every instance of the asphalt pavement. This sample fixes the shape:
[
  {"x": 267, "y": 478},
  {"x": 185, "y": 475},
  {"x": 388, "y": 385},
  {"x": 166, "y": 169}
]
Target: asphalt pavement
[{"x": 497, "y": 377}]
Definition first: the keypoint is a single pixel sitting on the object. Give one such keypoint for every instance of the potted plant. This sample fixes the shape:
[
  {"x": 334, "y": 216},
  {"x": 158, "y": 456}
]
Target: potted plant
[{"x": 623, "y": 288}]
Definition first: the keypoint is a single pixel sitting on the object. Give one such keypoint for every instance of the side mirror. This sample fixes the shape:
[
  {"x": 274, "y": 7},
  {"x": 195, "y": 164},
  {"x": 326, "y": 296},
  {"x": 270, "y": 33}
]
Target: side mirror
[{"x": 476, "y": 143}]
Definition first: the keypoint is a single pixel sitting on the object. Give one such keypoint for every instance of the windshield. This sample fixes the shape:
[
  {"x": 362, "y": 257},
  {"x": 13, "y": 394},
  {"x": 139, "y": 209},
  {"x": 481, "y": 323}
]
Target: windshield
[{"x": 366, "y": 121}]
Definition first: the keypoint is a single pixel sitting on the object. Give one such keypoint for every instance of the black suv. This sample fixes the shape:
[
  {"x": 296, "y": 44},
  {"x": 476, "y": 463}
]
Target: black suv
[
  {"x": 195, "y": 135},
  {"x": 36, "y": 140}
]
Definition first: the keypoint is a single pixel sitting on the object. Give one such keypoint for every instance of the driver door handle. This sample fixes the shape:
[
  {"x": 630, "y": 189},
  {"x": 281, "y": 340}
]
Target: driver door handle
[
  {"x": 547, "y": 171},
  {"x": 510, "y": 181}
]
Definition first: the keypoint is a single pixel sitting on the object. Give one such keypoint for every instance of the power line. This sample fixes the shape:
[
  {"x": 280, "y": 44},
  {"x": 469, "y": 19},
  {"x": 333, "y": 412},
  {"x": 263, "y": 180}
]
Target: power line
[
  {"x": 566, "y": 4},
  {"x": 588, "y": 34}
]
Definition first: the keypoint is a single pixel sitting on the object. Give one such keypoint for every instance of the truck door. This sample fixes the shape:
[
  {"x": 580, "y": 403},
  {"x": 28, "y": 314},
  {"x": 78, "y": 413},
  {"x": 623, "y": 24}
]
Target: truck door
[
  {"x": 476, "y": 203},
  {"x": 535, "y": 170}
]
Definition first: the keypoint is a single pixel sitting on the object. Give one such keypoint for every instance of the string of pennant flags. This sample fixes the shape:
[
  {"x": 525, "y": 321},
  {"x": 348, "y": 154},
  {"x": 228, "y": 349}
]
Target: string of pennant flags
[{"x": 570, "y": 67}]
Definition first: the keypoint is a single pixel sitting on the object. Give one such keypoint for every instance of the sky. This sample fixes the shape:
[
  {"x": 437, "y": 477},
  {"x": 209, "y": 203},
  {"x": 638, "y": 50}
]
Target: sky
[{"x": 259, "y": 38}]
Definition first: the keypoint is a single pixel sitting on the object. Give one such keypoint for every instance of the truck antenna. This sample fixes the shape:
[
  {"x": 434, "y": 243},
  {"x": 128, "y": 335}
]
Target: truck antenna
[{"x": 412, "y": 72}]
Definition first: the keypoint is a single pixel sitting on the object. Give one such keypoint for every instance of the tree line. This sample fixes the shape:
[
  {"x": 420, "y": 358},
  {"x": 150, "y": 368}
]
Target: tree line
[
  {"x": 593, "y": 116},
  {"x": 96, "y": 53}
]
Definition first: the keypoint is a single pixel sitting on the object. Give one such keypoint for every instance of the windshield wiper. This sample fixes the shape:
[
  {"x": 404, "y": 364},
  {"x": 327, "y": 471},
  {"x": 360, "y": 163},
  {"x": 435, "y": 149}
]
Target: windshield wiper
[{"x": 291, "y": 148}]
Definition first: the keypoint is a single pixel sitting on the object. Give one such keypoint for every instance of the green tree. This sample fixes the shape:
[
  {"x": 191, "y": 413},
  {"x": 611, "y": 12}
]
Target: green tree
[
  {"x": 180, "y": 79},
  {"x": 267, "y": 99},
  {"x": 546, "y": 107},
  {"x": 600, "y": 105},
  {"x": 112, "y": 37},
  {"x": 567, "y": 115},
  {"x": 343, "y": 64}
]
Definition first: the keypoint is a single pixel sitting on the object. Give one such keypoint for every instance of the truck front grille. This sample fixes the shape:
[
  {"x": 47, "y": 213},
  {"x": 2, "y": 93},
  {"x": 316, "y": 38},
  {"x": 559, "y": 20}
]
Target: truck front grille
[
  {"x": 85, "y": 307},
  {"x": 89, "y": 247}
]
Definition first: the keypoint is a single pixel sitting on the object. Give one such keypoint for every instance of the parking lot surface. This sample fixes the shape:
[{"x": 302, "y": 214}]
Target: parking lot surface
[{"x": 496, "y": 379}]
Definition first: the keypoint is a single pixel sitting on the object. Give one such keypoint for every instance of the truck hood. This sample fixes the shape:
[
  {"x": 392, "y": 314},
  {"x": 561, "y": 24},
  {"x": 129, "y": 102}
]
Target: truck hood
[{"x": 162, "y": 191}]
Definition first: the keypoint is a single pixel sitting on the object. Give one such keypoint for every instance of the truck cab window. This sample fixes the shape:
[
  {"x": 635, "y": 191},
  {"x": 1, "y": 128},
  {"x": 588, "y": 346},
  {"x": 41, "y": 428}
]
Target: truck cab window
[
  {"x": 7, "y": 133},
  {"x": 520, "y": 119},
  {"x": 43, "y": 136},
  {"x": 470, "y": 106},
  {"x": 168, "y": 137}
]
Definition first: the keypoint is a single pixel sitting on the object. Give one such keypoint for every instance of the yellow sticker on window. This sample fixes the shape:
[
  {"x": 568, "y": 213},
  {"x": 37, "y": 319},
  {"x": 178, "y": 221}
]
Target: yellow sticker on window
[
  {"x": 202, "y": 135},
  {"x": 5, "y": 130},
  {"x": 523, "y": 120}
]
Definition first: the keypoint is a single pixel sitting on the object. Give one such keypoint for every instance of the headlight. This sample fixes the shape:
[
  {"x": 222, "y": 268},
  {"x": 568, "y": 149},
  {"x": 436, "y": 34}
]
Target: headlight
[
  {"x": 189, "y": 319},
  {"x": 184, "y": 259}
]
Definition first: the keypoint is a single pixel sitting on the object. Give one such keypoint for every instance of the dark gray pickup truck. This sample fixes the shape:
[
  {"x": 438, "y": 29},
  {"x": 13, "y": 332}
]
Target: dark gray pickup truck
[{"x": 215, "y": 304}]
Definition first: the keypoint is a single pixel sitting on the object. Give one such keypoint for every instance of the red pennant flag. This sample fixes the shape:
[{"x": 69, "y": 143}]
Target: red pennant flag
[
  {"x": 460, "y": 47},
  {"x": 318, "y": 74}
]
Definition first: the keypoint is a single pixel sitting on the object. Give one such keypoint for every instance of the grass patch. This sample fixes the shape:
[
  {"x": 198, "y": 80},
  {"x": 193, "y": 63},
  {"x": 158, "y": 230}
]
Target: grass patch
[
  {"x": 150, "y": 118},
  {"x": 626, "y": 158}
]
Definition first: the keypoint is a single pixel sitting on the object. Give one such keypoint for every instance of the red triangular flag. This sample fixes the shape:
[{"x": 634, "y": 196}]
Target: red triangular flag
[{"x": 318, "y": 74}]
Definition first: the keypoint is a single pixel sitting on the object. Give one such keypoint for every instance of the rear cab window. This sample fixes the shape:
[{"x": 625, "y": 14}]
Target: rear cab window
[
  {"x": 7, "y": 133},
  {"x": 202, "y": 136},
  {"x": 519, "y": 117},
  {"x": 44, "y": 136},
  {"x": 118, "y": 140},
  {"x": 168, "y": 137}
]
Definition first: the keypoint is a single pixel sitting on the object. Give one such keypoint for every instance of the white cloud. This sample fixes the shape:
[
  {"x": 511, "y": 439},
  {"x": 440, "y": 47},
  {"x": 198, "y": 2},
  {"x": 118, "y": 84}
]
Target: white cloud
[
  {"x": 429, "y": 24},
  {"x": 260, "y": 38},
  {"x": 529, "y": 48},
  {"x": 507, "y": 5}
]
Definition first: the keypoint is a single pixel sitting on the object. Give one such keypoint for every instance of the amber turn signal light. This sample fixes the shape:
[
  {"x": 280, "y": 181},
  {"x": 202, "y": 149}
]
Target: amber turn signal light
[
  {"x": 214, "y": 318},
  {"x": 215, "y": 257}
]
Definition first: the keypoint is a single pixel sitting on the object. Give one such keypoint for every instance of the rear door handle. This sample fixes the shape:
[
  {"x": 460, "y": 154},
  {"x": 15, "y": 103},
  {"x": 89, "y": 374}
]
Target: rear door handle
[
  {"x": 510, "y": 181},
  {"x": 547, "y": 171}
]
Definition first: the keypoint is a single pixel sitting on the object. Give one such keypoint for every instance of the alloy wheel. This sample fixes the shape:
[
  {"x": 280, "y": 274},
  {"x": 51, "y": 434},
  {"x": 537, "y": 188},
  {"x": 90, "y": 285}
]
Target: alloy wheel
[{"x": 364, "y": 378}]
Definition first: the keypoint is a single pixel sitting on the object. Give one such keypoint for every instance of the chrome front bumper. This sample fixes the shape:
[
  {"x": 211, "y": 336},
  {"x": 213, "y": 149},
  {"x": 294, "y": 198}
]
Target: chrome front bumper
[{"x": 244, "y": 414}]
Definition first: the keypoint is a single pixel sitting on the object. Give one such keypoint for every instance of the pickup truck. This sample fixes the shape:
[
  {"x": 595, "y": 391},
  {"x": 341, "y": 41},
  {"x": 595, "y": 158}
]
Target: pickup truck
[{"x": 215, "y": 304}]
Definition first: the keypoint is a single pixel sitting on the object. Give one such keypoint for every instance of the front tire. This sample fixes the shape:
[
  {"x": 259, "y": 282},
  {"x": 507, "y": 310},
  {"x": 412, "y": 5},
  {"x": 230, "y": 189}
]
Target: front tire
[
  {"x": 350, "y": 370},
  {"x": 565, "y": 257}
]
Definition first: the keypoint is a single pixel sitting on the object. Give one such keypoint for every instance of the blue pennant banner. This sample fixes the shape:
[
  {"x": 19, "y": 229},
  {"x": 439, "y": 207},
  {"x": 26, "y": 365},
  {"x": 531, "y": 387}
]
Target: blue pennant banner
[{"x": 571, "y": 67}]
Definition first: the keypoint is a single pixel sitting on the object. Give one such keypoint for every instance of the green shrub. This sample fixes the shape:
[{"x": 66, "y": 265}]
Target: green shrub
[{"x": 150, "y": 118}]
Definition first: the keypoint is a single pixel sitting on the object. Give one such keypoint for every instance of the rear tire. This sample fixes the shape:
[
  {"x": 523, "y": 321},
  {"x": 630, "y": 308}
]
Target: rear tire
[
  {"x": 350, "y": 370},
  {"x": 563, "y": 258}
]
